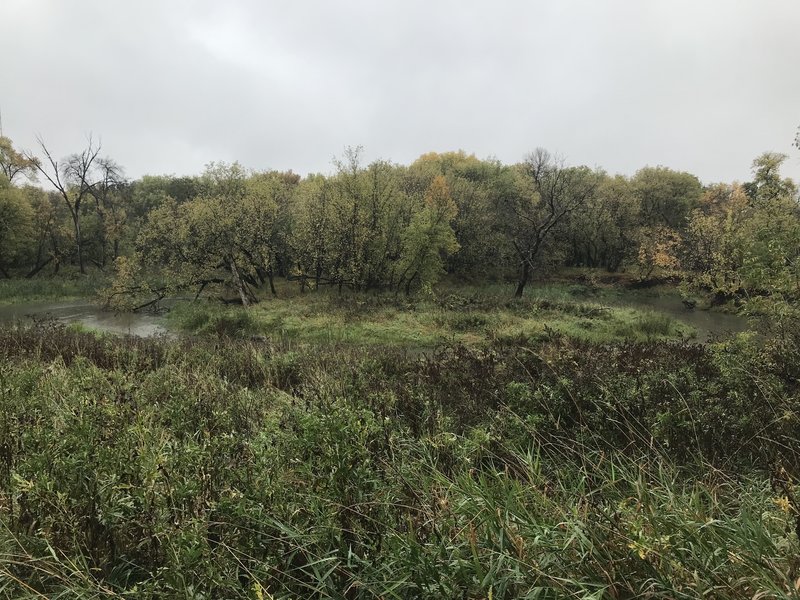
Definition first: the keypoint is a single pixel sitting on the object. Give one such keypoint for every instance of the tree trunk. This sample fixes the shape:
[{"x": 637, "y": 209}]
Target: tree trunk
[
  {"x": 56, "y": 256},
  {"x": 523, "y": 279},
  {"x": 39, "y": 266},
  {"x": 38, "y": 260},
  {"x": 4, "y": 273},
  {"x": 408, "y": 284},
  {"x": 76, "y": 221},
  {"x": 317, "y": 274},
  {"x": 271, "y": 278},
  {"x": 238, "y": 283}
]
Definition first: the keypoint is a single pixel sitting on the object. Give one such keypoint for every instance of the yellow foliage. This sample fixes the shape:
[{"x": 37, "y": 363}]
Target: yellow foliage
[
  {"x": 783, "y": 504},
  {"x": 658, "y": 248}
]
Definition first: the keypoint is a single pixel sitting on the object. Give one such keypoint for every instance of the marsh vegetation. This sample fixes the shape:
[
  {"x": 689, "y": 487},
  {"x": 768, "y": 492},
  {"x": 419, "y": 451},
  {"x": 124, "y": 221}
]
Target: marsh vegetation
[
  {"x": 456, "y": 379},
  {"x": 520, "y": 467}
]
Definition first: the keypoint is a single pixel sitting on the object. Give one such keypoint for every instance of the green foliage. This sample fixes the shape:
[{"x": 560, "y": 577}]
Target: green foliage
[
  {"x": 369, "y": 212},
  {"x": 428, "y": 238},
  {"x": 545, "y": 194},
  {"x": 604, "y": 234},
  {"x": 650, "y": 324},
  {"x": 16, "y": 224},
  {"x": 234, "y": 233},
  {"x": 477, "y": 187},
  {"x": 14, "y": 163},
  {"x": 767, "y": 184},
  {"x": 470, "y": 316},
  {"x": 369, "y": 444},
  {"x": 231, "y": 234},
  {"x": 666, "y": 197},
  {"x": 744, "y": 241},
  {"x": 67, "y": 286},
  {"x": 204, "y": 319}
]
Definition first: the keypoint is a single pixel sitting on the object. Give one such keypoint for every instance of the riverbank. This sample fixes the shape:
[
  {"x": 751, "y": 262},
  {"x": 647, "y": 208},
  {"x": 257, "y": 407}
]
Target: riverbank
[{"x": 65, "y": 287}]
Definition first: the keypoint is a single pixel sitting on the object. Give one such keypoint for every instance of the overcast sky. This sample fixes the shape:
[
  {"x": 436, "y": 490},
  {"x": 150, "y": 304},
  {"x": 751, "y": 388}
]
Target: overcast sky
[{"x": 697, "y": 85}]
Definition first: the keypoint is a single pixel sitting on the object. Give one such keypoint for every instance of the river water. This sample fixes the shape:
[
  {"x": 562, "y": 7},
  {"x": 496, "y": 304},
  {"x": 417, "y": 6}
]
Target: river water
[
  {"x": 709, "y": 324},
  {"x": 87, "y": 314}
]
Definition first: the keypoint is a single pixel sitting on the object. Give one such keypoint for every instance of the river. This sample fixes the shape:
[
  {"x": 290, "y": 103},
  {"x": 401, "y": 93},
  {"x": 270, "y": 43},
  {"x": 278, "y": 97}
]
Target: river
[
  {"x": 709, "y": 324},
  {"x": 88, "y": 315}
]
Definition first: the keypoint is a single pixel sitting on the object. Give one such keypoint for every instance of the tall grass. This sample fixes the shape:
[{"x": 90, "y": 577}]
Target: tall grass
[{"x": 221, "y": 468}]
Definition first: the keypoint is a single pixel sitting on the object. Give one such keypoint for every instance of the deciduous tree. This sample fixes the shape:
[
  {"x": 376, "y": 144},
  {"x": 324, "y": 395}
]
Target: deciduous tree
[
  {"x": 666, "y": 197},
  {"x": 548, "y": 192},
  {"x": 604, "y": 233},
  {"x": 429, "y": 238},
  {"x": 16, "y": 217},
  {"x": 14, "y": 164},
  {"x": 230, "y": 234},
  {"x": 74, "y": 179},
  {"x": 767, "y": 184}
]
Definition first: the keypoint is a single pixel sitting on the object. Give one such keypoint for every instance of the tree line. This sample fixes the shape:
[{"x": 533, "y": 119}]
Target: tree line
[{"x": 385, "y": 226}]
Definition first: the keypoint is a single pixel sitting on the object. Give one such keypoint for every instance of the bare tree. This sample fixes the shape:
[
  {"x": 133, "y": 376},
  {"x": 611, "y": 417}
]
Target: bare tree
[
  {"x": 73, "y": 180},
  {"x": 107, "y": 192},
  {"x": 554, "y": 191}
]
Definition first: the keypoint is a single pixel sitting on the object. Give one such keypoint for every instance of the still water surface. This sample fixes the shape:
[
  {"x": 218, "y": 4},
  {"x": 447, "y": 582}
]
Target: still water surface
[
  {"x": 709, "y": 324},
  {"x": 87, "y": 314}
]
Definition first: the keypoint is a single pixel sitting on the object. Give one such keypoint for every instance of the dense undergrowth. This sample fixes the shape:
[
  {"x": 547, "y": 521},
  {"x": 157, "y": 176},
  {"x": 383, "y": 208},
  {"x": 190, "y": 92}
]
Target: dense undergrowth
[{"x": 536, "y": 467}]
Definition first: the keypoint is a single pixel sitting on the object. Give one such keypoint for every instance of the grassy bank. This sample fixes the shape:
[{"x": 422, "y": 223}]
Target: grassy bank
[
  {"x": 540, "y": 468},
  {"x": 67, "y": 286},
  {"x": 453, "y": 314}
]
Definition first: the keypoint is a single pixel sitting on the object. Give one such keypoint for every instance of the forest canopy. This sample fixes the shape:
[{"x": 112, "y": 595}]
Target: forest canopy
[{"x": 386, "y": 226}]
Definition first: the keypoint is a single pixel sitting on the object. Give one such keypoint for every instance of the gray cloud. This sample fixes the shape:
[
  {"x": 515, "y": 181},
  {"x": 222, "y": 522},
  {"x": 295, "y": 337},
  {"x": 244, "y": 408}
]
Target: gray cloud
[{"x": 703, "y": 86}]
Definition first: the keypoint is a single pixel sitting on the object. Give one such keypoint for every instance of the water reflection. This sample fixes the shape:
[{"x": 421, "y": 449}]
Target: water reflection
[{"x": 89, "y": 315}]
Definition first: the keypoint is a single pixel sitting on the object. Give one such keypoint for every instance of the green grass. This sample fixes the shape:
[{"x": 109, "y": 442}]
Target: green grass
[
  {"x": 68, "y": 286},
  {"x": 461, "y": 314}
]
